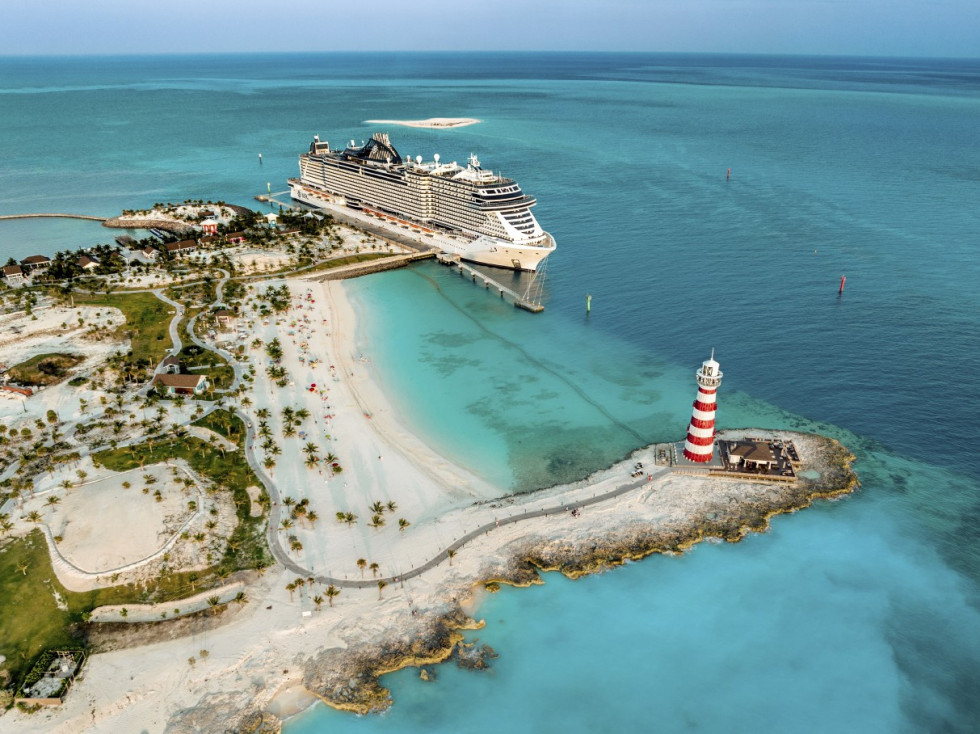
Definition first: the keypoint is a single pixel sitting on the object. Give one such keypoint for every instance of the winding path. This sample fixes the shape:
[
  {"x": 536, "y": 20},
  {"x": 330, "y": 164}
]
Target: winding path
[
  {"x": 275, "y": 510},
  {"x": 279, "y": 553}
]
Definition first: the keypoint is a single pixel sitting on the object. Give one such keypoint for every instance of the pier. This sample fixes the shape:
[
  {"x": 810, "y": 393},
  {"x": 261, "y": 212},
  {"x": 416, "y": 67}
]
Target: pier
[
  {"x": 520, "y": 301},
  {"x": 530, "y": 300},
  {"x": 355, "y": 270}
]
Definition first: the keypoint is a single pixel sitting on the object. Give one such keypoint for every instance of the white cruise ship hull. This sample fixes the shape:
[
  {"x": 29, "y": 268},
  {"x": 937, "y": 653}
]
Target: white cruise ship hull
[{"x": 483, "y": 250}]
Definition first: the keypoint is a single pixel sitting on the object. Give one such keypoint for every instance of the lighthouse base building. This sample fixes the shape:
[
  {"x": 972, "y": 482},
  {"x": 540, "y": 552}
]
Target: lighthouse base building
[{"x": 771, "y": 458}]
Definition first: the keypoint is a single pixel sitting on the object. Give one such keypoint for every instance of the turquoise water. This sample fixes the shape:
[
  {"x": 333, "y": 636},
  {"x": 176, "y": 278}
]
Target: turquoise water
[{"x": 858, "y": 615}]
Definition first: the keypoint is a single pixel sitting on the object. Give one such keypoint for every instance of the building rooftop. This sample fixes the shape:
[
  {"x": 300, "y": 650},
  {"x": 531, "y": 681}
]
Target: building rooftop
[
  {"x": 168, "y": 380},
  {"x": 755, "y": 452}
]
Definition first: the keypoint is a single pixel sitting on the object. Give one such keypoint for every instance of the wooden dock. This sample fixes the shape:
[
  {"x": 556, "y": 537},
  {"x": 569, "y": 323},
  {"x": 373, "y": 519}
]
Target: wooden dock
[{"x": 487, "y": 282}]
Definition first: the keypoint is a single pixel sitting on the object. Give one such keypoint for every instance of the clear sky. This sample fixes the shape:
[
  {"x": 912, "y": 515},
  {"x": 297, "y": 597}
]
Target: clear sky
[{"x": 859, "y": 27}]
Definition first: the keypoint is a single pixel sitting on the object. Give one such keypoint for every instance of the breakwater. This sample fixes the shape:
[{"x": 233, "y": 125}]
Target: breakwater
[
  {"x": 356, "y": 270},
  {"x": 42, "y": 215}
]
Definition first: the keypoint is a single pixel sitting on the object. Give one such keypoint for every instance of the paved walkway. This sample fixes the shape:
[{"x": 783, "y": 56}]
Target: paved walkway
[{"x": 279, "y": 553}]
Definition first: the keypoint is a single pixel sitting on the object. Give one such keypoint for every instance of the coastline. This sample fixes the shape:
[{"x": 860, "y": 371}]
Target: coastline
[{"x": 264, "y": 655}]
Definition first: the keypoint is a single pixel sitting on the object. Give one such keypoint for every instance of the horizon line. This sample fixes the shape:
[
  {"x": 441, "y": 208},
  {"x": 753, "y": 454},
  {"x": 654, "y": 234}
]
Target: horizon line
[{"x": 499, "y": 52}]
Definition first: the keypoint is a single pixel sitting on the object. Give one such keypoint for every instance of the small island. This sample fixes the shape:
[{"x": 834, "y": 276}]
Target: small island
[
  {"x": 186, "y": 440},
  {"x": 432, "y": 122}
]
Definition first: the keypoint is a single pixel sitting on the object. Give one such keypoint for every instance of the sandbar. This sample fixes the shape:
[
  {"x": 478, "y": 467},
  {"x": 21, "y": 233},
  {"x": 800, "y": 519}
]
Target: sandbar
[{"x": 432, "y": 122}]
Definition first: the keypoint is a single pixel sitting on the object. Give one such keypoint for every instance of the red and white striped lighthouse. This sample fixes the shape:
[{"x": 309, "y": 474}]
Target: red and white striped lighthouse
[{"x": 701, "y": 433}]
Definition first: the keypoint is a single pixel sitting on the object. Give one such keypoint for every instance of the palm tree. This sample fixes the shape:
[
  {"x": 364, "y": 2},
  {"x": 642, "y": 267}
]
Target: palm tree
[
  {"x": 361, "y": 564},
  {"x": 341, "y": 516},
  {"x": 22, "y": 567},
  {"x": 392, "y": 506},
  {"x": 262, "y": 413},
  {"x": 318, "y": 600},
  {"x": 377, "y": 521},
  {"x": 374, "y": 569},
  {"x": 452, "y": 554},
  {"x": 402, "y": 524},
  {"x": 311, "y": 461},
  {"x": 381, "y": 585},
  {"x": 34, "y": 516},
  {"x": 289, "y": 501},
  {"x": 241, "y": 598},
  {"x": 331, "y": 592},
  {"x": 53, "y": 500},
  {"x": 291, "y": 587},
  {"x": 286, "y": 523},
  {"x": 350, "y": 518},
  {"x": 377, "y": 508},
  {"x": 268, "y": 463},
  {"x": 213, "y": 602},
  {"x": 312, "y": 517}
]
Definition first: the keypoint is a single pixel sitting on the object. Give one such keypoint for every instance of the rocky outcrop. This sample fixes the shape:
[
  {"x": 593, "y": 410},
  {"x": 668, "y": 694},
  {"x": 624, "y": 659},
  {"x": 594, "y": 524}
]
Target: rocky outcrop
[
  {"x": 229, "y": 712},
  {"x": 829, "y": 464},
  {"x": 167, "y": 225},
  {"x": 348, "y": 679}
]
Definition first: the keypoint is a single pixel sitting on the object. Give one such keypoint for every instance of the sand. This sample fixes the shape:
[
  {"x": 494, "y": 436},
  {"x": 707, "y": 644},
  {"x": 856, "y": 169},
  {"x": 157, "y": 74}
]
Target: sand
[
  {"x": 432, "y": 122},
  {"x": 263, "y": 655},
  {"x": 56, "y": 329}
]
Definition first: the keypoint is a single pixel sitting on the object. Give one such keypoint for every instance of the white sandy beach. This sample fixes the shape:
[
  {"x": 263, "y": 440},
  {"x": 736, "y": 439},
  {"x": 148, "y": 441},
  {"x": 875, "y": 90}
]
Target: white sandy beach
[
  {"x": 259, "y": 653},
  {"x": 432, "y": 122}
]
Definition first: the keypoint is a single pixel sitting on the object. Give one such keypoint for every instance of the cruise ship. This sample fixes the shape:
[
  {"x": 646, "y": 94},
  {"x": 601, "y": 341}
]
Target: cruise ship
[{"x": 465, "y": 210}]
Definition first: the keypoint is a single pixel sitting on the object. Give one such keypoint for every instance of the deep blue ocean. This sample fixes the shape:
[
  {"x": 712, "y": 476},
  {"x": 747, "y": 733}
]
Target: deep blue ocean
[{"x": 861, "y": 615}]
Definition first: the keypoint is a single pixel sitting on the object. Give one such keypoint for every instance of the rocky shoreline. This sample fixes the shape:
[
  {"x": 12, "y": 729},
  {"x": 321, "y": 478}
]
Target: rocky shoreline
[{"x": 349, "y": 679}]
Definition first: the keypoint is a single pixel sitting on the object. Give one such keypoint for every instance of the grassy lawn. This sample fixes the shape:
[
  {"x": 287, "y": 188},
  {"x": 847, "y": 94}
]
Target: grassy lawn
[
  {"x": 30, "y": 621},
  {"x": 224, "y": 423},
  {"x": 30, "y": 618},
  {"x": 147, "y": 321},
  {"x": 44, "y": 369}
]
